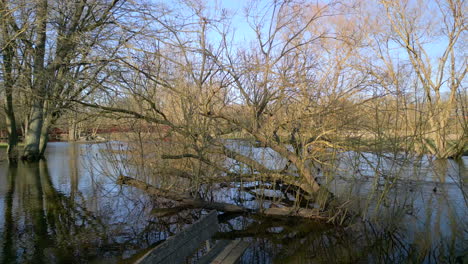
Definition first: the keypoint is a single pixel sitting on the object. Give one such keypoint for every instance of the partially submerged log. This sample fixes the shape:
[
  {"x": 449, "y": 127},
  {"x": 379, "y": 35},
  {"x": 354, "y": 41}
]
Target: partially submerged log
[
  {"x": 183, "y": 199},
  {"x": 301, "y": 212},
  {"x": 190, "y": 202}
]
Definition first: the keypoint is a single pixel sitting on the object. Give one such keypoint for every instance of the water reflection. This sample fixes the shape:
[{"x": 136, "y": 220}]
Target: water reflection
[
  {"x": 7, "y": 250},
  {"x": 26, "y": 228},
  {"x": 69, "y": 210},
  {"x": 300, "y": 241},
  {"x": 70, "y": 215},
  {"x": 415, "y": 210},
  {"x": 417, "y": 226},
  {"x": 39, "y": 219}
]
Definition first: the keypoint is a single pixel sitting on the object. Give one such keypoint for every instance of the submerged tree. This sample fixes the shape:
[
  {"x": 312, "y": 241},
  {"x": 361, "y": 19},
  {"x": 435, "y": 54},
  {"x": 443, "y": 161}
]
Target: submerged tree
[
  {"x": 300, "y": 89},
  {"x": 285, "y": 91}
]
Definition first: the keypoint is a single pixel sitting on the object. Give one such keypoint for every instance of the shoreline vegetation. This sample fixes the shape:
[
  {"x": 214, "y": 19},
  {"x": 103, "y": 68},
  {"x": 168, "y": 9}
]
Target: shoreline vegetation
[{"x": 353, "y": 144}]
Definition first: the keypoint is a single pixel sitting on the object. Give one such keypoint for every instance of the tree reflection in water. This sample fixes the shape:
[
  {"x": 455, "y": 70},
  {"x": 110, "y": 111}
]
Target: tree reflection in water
[
  {"x": 65, "y": 211},
  {"x": 8, "y": 252},
  {"x": 417, "y": 225},
  {"x": 299, "y": 241},
  {"x": 44, "y": 225}
]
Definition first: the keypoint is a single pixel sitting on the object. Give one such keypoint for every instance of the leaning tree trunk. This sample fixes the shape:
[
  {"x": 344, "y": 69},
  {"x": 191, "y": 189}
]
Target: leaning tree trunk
[
  {"x": 49, "y": 120},
  {"x": 44, "y": 138},
  {"x": 186, "y": 201},
  {"x": 46, "y": 122}
]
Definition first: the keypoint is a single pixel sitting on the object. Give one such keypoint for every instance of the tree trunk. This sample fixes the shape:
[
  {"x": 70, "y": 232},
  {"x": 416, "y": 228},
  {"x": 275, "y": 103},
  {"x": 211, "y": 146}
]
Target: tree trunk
[
  {"x": 440, "y": 147},
  {"x": 186, "y": 200},
  {"x": 12, "y": 149},
  {"x": 8, "y": 54},
  {"x": 44, "y": 138},
  {"x": 72, "y": 129},
  {"x": 33, "y": 134}
]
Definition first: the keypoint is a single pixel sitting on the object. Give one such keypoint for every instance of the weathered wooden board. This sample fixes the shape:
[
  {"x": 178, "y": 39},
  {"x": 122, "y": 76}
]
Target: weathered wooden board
[
  {"x": 232, "y": 253},
  {"x": 177, "y": 248},
  {"x": 214, "y": 252}
]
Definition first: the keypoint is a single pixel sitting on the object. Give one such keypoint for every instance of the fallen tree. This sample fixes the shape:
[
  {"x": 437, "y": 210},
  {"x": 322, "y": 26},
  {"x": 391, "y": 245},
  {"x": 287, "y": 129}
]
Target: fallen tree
[
  {"x": 187, "y": 201},
  {"x": 280, "y": 93}
]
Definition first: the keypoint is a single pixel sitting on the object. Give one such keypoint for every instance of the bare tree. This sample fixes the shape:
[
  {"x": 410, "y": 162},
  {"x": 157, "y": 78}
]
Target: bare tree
[
  {"x": 286, "y": 91},
  {"x": 416, "y": 26},
  {"x": 10, "y": 73},
  {"x": 63, "y": 48}
]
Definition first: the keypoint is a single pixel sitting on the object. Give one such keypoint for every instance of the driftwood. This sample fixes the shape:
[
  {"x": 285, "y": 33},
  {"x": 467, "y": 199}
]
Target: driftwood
[{"x": 188, "y": 201}]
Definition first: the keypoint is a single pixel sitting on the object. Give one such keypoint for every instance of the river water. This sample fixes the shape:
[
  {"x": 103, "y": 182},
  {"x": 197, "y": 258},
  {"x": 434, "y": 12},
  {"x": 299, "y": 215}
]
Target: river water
[{"x": 69, "y": 210}]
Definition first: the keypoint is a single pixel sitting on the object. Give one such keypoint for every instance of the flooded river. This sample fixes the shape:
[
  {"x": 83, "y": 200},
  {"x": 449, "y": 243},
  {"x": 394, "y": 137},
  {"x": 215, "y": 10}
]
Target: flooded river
[{"x": 69, "y": 209}]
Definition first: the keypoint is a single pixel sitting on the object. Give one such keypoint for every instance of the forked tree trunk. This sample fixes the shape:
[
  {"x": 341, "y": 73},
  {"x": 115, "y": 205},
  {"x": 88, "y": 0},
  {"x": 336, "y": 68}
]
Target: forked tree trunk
[{"x": 33, "y": 134}]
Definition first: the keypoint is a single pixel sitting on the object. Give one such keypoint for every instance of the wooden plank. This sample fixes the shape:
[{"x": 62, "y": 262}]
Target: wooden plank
[
  {"x": 219, "y": 259},
  {"x": 232, "y": 253},
  {"x": 177, "y": 248},
  {"x": 214, "y": 252},
  {"x": 236, "y": 253}
]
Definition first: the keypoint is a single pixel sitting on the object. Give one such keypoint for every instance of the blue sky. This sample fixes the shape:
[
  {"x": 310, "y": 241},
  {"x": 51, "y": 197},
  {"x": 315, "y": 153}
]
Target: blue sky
[{"x": 244, "y": 34}]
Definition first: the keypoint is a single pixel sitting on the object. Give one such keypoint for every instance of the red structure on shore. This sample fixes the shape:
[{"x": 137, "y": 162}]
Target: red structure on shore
[{"x": 59, "y": 134}]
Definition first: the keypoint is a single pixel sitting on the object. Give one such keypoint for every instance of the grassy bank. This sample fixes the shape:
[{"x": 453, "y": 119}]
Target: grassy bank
[{"x": 5, "y": 145}]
